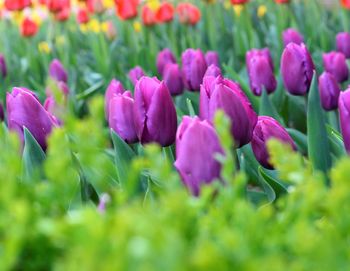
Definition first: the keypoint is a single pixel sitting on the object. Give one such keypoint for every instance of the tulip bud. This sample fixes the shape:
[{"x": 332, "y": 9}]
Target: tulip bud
[
  {"x": 121, "y": 116},
  {"x": 329, "y": 91},
  {"x": 29, "y": 28},
  {"x": 268, "y": 128},
  {"x": 297, "y": 69},
  {"x": 219, "y": 93},
  {"x": 212, "y": 57},
  {"x": 25, "y": 110},
  {"x": 265, "y": 52},
  {"x": 291, "y": 35},
  {"x": 260, "y": 72},
  {"x": 135, "y": 74},
  {"x": 165, "y": 12},
  {"x": 57, "y": 71},
  {"x": 344, "y": 117},
  {"x": 196, "y": 145},
  {"x": 3, "y": 66},
  {"x": 213, "y": 70},
  {"x": 172, "y": 77},
  {"x": 127, "y": 9},
  {"x": 164, "y": 57},
  {"x": 114, "y": 88},
  {"x": 335, "y": 63},
  {"x": 343, "y": 43},
  {"x": 193, "y": 68},
  {"x": 154, "y": 111}
]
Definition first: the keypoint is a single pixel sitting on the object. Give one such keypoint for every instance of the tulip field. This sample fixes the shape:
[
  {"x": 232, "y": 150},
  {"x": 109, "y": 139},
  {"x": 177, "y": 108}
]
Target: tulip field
[{"x": 174, "y": 135}]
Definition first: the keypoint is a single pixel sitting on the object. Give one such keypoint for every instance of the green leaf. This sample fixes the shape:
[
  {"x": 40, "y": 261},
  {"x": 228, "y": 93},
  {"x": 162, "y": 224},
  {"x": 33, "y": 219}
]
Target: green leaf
[
  {"x": 33, "y": 154},
  {"x": 275, "y": 184},
  {"x": 190, "y": 107},
  {"x": 268, "y": 109},
  {"x": 336, "y": 142},
  {"x": 90, "y": 91},
  {"x": 319, "y": 151},
  {"x": 300, "y": 140},
  {"x": 123, "y": 156}
]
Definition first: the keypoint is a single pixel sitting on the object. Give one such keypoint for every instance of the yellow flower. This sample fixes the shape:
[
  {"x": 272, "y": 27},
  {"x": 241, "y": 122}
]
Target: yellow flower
[
  {"x": 44, "y": 47},
  {"x": 108, "y": 3},
  {"x": 94, "y": 26},
  {"x": 104, "y": 27},
  {"x": 238, "y": 9},
  {"x": 227, "y": 4},
  {"x": 83, "y": 28},
  {"x": 262, "y": 9},
  {"x": 153, "y": 4},
  {"x": 17, "y": 17},
  {"x": 60, "y": 40},
  {"x": 137, "y": 27},
  {"x": 36, "y": 18}
]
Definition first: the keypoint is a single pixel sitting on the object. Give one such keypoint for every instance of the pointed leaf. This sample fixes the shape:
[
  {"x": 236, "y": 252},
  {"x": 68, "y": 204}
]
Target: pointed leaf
[{"x": 268, "y": 109}]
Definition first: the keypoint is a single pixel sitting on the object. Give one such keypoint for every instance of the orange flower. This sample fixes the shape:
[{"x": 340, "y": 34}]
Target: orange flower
[
  {"x": 28, "y": 28},
  {"x": 239, "y": 2},
  {"x": 148, "y": 16},
  {"x": 17, "y": 4},
  {"x": 188, "y": 13},
  {"x": 165, "y": 12},
  {"x": 345, "y": 3},
  {"x": 127, "y": 9}
]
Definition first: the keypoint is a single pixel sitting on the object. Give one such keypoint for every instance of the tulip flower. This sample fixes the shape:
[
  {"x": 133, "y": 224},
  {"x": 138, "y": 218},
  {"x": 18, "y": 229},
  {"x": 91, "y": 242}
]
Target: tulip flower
[
  {"x": 82, "y": 16},
  {"x": 329, "y": 91},
  {"x": 165, "y": 12},
  {"x": 268, "y": 128},
  {"x": 239, "y": 2},
  {"x": 148, "y": 16},
  {"x": 188, "y": 13},
  {"x": 297, "y": 69},
  {"x": 114, "y": 88},
  {"x": 260, "y": 71},
  {"x": 62, "y": 15},
  {"x": 57, "y": 71},
  {"x": 16, "y": 5},
  {"x": 220, "y": 93},
  {"x": 127, "y": 9},
  {"x": 111, "y": 31},
  {"x": 212, "y": 57},
  {"x": 135, "y": 74},
  {"x": 345, "y": 3},
  {"x": 121, "y": 116},
  {"x": 154, "y": 111},
  {"x": 291, "y": 35},
  {"x": 95, "y": 6},
  {"x": 213, "y": 70},
  {"x": 25, "y": 110},
  {"x": 343, "y": 43},
  {"x": 196, "y": 146},
  {"x": 194, "y": 67},
  {"x": 3, "y": 66},
  {"x": 172, "y": 77},
  {"x": 335, "y": 63},
  {"x": 344, "y": 117},
  {"x": 164, "y": 57},
  {"x": 56, "y": 6},
  {"x": 282, "y": 1},
  {"x": 29, "y": 28}
]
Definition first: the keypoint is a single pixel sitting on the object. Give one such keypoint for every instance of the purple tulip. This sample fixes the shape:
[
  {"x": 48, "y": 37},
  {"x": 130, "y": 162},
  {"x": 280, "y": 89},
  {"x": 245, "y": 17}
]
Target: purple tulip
[
  {"x": 335, "y": 63},
  {"x": 25, "y": 110},
  {"x": 343, "y": 43},
  {"x": 135, "y": 74},
  {"x": 164, "y": 57},
  {"x": 344, "y": 117},
  {"x": 115, "y": 87},
  {"x": 3, "y": 66},
  {"x": 212, "y": 58},
  {"x": 57, "y": 71},
  {"x": 196, "y": 145},
  {"x": 260, "y": 73},
  {"x": 291, "y": 35},
  {"x": 121, "y": 116},
  {"x": 213, "y": 70},
  {"x": 329, "y": 91},
  {"x": 219, "y": 93},
  {"x": 265, "y": 52},
  {"x": 297, "y": 69},
  {"x": 154, "y": 111},
  {"x": 61, "y": 86},
  {"x": 50, "y": 104},
  {"x": 266, "y": 129},
  {"x": 193, "y": 68},
  {"x": 172, "y": 77}
]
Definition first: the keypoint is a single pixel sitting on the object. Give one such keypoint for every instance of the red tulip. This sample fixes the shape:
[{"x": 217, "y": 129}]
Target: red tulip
[
  {"x": 82, "y": 16},
  {"x": 17, "y": 4},
  {"x": 345, "y": 3},
  {"x": 127, "y": 9},
  {"x": 239, "y": 2},
  {"x": 63, "y": 15},
  {"x": 188, "y": 13},
  {"x": 148, "y": 16},
  {"x": 56, "y": 6},
  {"x": 165, "y": 13},
  {"x": 282, "y": 1},
  {"x": 28, "y": 28},
  {"x": 95, "y": 6}
]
